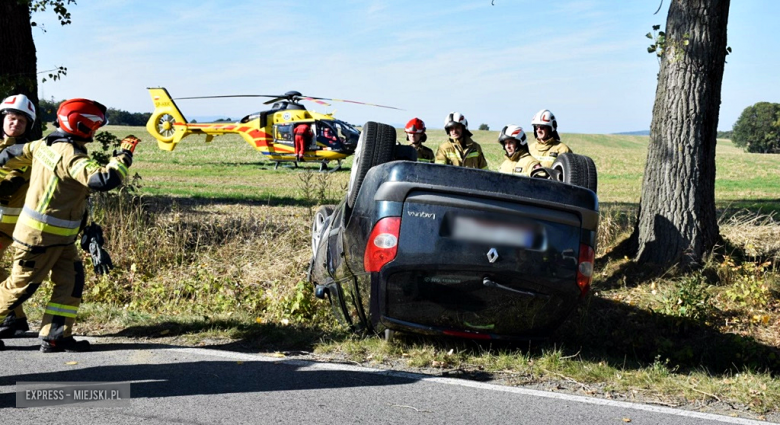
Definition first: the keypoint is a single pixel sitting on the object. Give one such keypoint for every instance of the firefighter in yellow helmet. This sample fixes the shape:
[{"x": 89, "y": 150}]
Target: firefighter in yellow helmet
[
  {"x": 548, "y": 143},
  {"x": 18, "y": 114},
  {"x": 515, "y": 144},
  {"x": 415, "y": 135},
  {"x": 459, "y": 149},
  {"x": 63, "y": 175}
]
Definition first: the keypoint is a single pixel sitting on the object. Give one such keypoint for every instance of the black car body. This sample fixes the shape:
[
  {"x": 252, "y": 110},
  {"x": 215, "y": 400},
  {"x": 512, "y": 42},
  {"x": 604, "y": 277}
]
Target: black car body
[{"x": 437, "y": 249}]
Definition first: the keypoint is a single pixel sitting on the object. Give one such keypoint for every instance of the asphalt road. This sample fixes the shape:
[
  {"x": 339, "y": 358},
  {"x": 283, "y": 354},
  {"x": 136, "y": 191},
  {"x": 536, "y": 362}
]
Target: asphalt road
[{"x": 171, "y": 384}]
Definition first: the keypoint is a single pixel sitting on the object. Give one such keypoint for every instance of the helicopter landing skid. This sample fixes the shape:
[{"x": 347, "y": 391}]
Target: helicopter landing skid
[{"x": 324, "y": 166}]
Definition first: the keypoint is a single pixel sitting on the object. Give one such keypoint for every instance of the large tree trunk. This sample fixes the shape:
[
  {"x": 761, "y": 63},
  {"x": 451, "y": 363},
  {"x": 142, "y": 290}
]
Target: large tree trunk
[
  {"x": 677, "y": 219},
  {"x": 17, "y": 50}
]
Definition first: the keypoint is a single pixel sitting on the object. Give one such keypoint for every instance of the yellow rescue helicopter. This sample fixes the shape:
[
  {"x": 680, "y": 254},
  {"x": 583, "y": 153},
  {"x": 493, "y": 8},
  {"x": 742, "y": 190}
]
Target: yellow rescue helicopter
[{"x": 271, "y": 132}]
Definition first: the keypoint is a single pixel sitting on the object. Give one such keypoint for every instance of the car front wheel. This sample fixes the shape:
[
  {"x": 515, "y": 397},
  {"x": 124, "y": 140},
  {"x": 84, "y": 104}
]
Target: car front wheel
[
  {"x": 578, "y": 170},
  {"x": 375, "y": 146}
]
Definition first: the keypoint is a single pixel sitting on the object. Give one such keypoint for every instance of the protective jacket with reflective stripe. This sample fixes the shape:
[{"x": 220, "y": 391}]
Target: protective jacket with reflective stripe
[
  {"x": 519, "y": 163},
  {"x": 453, "y": 153},
  {"x": 547, "y": 151},
  {"x": 424, "y": 153},
  {"x": 11, "y": 206},
  {"x": 62, "y": 177}
]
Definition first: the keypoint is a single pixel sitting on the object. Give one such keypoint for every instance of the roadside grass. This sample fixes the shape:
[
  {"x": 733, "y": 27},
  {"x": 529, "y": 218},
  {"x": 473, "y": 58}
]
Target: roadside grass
[{"x": 213, "y": 248}]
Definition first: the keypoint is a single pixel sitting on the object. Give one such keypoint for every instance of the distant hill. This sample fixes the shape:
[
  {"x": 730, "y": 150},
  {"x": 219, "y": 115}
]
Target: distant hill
[{"x": 636, "y": 133}]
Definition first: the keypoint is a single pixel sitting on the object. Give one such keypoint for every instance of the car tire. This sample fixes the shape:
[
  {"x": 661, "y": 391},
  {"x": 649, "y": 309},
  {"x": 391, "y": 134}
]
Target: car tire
[
  {"x": 318, "y": 224},
  {"x": 375, "y": 146},
  {"x": 578, "y": 170}
]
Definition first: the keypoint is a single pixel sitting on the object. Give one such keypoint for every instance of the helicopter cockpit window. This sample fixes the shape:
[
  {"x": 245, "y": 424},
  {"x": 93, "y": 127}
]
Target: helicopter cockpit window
[
  {"x": 327, "y": 133},
  {"x": 348, "y": 134}
]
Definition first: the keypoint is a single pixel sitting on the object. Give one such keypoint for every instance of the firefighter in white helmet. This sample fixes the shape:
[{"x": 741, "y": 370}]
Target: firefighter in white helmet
[
  {"x": 415, "y": 135},
  {"x": 548, "y": 143},
  {"x": 459, "y": 149},
  {"x": 515, "y": 144},
  {"x": 18, "y": 114},
  {"x": 63, "y": 175}
]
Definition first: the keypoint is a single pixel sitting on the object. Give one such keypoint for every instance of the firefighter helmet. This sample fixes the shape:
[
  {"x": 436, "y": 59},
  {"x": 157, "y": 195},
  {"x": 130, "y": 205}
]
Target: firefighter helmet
[
  {"x": 19, "y": 104},
  {"x": 545, "y": 117},
  {"x": 81, "y": 117},
  {"x": 513, "y": 132},
  {"x": 455, "y": 118},
  {"x": 415, "y": 126}
]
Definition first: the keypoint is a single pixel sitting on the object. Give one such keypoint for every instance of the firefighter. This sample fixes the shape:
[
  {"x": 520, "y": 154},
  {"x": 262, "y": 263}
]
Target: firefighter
[
  {"x": 415, "y": 135},
  {"x": 44, "y": 239},
  {"x": 548, "y": 143},
  {"x": 518, "y": 159},
  {"x": 18, "y": 114},
  {"x": 459, "y": 149}
]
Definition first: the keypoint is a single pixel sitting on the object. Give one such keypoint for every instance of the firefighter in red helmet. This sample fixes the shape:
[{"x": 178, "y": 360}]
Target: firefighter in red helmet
[
  {"x": 63, "y": 175},
  {"x": 415, "y": 135}
]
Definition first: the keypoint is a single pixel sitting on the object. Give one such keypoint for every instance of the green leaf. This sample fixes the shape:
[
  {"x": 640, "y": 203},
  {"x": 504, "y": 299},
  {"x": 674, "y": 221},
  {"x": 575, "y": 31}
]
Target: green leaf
[
  {"x": 649, "y": 35},
  {"x": 656, "y": 27}
]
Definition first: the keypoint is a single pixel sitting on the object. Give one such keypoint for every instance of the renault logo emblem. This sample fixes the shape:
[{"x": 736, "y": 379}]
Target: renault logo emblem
[{"x": 492, "y": 255}]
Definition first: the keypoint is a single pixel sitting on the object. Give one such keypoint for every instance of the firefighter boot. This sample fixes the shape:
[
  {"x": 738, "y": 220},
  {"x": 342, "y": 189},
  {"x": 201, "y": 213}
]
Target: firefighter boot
[
  {"x": 64, "y": 344},
  {"x": 13, "y": 326}
]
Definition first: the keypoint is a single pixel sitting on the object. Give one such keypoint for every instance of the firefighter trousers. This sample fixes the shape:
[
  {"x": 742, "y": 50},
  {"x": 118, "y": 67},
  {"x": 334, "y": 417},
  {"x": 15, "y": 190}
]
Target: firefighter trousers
[
  {"x": 5, "y": 243},
  {"x": 29, "y": 269}
]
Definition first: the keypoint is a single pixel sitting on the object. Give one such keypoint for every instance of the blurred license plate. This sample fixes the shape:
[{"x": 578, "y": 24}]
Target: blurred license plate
[{"x": 492, "y": 232}]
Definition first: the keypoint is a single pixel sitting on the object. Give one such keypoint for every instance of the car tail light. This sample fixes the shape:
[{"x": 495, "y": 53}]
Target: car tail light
[
  {"x": 585, "y": 268},
  {"x": 382, "y": 244}
]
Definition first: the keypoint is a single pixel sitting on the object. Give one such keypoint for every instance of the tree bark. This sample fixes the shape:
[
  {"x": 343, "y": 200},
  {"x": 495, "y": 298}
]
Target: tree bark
[
  {"x": 677, "y": 221},
  {"x": 17, "y": 48}
]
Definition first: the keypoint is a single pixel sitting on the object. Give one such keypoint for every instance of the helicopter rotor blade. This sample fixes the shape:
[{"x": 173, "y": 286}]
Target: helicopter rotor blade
[
  {"x": 289, "y": 97},
  {"x": 227, "y": 96},
  {"x": 316, "y": 100},
  {"x": 355, "y": 102}
]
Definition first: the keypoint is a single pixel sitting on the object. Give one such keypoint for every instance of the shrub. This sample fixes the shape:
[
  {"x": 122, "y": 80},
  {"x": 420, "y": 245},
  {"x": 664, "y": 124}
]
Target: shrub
[{"x": 758, "y": 128}]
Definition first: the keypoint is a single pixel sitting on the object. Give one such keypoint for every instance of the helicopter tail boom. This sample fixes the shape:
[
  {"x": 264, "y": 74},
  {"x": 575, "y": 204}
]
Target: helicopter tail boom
[{"x": 167, "y": 124}]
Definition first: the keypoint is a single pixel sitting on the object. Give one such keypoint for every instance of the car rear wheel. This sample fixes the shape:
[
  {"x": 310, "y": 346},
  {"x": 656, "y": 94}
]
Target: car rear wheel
[
  {"x": 578, "y": 170},
  {"x": 318, "y": 223},
  {"x": 375, "y": 146}
]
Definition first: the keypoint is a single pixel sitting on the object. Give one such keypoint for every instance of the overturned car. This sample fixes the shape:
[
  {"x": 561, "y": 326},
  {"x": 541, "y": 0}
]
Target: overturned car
[{"x": 437, "y": 249}]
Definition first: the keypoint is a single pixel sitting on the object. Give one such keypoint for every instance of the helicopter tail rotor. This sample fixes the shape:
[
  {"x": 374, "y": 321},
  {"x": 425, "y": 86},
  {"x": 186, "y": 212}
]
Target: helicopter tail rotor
[{"x": 164, "y": 120}]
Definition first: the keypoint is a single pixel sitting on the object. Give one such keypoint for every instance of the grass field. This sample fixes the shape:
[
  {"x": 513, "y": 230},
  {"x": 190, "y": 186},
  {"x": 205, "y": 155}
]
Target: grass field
[
  {"x": 228, "y": 168},
  {"x": 216, "y": 250}
]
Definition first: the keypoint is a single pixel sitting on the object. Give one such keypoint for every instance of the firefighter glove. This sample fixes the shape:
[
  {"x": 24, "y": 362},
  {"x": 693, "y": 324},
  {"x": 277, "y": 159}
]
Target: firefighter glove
[
  {"x": 11, "y": 184},
  {"x": 92, "y": 242},
  {"x": 129, "y": 143},
  {"x": 128, "y": 157}
]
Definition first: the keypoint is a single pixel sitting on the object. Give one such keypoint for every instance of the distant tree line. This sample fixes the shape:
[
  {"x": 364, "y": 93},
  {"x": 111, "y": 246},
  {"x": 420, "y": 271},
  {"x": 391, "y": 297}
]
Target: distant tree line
[{"x": 47, "y": 111}]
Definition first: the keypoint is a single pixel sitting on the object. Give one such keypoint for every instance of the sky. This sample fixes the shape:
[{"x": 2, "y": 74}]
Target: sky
[{"x": 495, "y": 61}]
